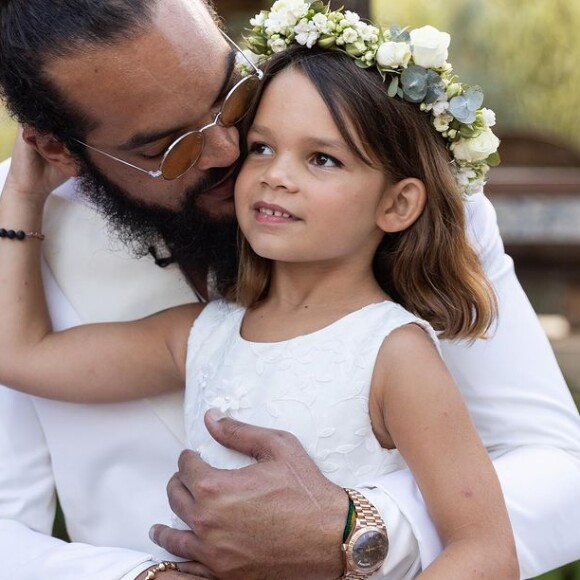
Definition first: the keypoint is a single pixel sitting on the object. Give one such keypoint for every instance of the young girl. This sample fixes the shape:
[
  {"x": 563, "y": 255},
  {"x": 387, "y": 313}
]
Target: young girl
[{"x": 353, "y": 237}]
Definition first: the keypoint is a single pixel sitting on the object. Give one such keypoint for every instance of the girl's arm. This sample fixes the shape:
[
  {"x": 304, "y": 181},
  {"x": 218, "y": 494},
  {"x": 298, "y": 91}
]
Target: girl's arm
[
  {"x": 416, "y": 405},
  {"x": 116, "y": 361}
]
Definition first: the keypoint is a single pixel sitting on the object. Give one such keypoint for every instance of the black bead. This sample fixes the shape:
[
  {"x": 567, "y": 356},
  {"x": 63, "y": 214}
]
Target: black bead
[
  {"x": 11, "y": 234},
  {"x": 3, "y": 233},
  {"x": 20, "y": 235}
]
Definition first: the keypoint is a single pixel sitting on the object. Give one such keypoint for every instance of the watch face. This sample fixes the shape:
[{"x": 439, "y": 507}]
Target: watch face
[{"x": 369, "y": 549}]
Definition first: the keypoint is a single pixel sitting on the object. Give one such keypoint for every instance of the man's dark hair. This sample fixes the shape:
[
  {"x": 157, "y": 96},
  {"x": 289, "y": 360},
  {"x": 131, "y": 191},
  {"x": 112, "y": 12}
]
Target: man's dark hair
[{"x": 33, "y": 32}]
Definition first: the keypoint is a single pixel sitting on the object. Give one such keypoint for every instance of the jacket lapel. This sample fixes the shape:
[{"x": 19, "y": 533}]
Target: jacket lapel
[{"x": 104, "y": 283}]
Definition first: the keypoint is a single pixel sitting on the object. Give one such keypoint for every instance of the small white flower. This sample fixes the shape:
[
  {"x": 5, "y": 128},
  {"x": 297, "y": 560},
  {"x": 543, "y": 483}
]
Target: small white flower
[
  {"x": 477, "y": 148},
  {"x": 306, "y": 33},
  {"x": 463, "y": 175},
  {"x": 367, "y": 32},
  {"x": 277, "y": 44},
  {"x": 242, "y": 63},
  {"x": 321, "y": 22},
  {"x": 430, "y": 47},
  {"x": 259, "y": 19},
  {"x": 440, "y": 106},
  {"x": 452, "y": 133},
  {"x": 453, "y": 89},
  {"x": 393, "y": 54},
  {"x": 284, "y": 15},
  {"x": 475, "y": 188},
  {"x": 349, "y": 36},
  {"x": 441, "y": 122},
  {"x": 488, "y": 117},
  {"x": 351, "y": 17}
]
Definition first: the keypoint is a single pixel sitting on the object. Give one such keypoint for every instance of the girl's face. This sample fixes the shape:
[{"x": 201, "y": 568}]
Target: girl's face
[{"x": 302, "y": 195}]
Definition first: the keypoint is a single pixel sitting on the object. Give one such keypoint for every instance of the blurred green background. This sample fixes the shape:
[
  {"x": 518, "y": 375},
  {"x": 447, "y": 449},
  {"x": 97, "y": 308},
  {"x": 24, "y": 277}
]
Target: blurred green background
[{"x": 524, "y": 53}]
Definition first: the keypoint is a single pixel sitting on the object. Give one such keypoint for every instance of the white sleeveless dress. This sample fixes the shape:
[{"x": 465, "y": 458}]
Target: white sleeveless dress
[{"x": 316, "y": 386}]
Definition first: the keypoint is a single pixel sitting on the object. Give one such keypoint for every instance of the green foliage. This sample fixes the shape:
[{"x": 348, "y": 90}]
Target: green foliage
[{"x": 523, "y": 52}]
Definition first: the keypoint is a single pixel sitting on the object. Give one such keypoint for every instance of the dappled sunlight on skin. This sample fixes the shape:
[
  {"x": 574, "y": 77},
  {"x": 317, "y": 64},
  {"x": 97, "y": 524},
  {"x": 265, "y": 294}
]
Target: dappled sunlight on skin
[{"x": 7, "y": 134}]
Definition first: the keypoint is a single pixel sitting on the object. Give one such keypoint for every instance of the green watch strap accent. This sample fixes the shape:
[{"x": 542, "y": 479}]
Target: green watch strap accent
[{"x": 350, "y": 520}]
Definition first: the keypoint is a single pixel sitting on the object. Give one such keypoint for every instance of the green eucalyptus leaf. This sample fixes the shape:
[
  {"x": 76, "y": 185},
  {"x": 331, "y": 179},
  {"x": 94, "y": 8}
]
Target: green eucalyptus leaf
[
  {"x": 474, "y": 96},
  {"x": 414, "y": 83},
  {"x": 459, "y": 107},
  {"x": 393, "y": 86}
]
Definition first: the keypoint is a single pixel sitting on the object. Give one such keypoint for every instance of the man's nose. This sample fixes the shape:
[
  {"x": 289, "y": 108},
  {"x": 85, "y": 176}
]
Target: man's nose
[{"x": 222, "y": 148}]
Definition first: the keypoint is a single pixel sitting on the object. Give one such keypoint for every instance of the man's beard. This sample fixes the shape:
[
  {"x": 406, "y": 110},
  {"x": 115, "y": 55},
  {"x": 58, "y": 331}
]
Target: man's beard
[{"x": 194, "y": 239}]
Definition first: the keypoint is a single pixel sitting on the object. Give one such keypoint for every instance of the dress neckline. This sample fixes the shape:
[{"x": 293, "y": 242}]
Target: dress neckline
[{"x": 314, "y": 334}]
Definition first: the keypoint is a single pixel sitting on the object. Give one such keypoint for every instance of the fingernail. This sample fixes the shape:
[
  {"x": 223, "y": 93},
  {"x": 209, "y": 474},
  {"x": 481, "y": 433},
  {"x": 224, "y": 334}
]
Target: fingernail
[
  {"x": 152, "y": 534},
  {"x": 216, "y": 415}
]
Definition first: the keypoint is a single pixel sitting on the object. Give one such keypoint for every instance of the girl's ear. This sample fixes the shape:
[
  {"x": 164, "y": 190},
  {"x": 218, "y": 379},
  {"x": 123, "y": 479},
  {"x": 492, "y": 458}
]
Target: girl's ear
[
  {"x": 53, "y": 151},
  {"x": 401, "y": 205}
]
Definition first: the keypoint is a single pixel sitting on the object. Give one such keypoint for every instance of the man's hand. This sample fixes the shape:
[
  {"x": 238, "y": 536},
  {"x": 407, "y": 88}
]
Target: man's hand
[
  {"x": 279, "y": 518},
  {"x": 30, "y": 174}
]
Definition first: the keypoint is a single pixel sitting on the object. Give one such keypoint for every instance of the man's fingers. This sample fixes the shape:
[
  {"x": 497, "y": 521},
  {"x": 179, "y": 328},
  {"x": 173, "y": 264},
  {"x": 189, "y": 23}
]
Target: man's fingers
[
  {"x": 258, "y": 442},
  {"x": 191, "y": 466},
  {"x": 196, "y": 569},
  {"x": 182, "y": 543},
  {"x": 181, "y": 500}
]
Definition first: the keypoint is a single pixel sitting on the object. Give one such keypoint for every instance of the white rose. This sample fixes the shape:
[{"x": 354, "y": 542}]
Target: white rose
[
  {"x": 393, "y": 54},
  {"x": 430, "y": 47},
  {"x": 477, "y": 148},
  {"x": 488, "y": 117}
]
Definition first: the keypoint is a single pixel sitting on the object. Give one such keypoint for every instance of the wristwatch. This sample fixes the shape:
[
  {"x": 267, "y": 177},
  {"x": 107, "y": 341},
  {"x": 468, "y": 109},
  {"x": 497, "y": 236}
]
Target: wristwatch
[{"x": 367, "y": 544}]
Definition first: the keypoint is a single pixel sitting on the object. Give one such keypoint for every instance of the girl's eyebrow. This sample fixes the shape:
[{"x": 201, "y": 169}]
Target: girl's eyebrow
[{"x": 314, "y": 142}]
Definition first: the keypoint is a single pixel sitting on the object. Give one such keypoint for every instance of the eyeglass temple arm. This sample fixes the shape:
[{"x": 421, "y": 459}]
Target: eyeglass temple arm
[
  {"x": 258, "y": 71},
  {"x": 157, "y": 173}
]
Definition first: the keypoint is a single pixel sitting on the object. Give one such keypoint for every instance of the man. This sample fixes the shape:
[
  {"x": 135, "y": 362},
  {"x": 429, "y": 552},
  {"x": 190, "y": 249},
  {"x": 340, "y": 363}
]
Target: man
[{"x": 105, "y": 89}]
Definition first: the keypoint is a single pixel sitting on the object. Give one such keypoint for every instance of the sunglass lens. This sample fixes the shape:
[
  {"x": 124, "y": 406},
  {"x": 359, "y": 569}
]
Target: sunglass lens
[
  {"x": 239, "y": 101},
  {"x": 182, "y": 155}
]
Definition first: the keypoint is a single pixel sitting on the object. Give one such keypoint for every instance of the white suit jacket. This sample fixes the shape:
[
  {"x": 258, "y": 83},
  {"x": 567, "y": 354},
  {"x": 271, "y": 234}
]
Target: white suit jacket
[{"x": 111, "y": 463}]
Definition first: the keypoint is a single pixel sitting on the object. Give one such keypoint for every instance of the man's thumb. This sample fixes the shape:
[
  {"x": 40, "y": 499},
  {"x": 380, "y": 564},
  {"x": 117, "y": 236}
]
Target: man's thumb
[{"x": 258, "y": 442}]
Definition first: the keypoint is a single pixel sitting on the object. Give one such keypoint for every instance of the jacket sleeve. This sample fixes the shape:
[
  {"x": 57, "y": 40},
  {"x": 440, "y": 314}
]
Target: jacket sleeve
[
  {"x": 27, "y": 509},
  {"x": 525, "y": 415},
  {"x": 28, "y": 500}
]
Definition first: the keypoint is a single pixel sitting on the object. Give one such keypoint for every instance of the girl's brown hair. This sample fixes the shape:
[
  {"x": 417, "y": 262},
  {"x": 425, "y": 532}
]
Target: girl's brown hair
[{"x": 430, "y": 268}]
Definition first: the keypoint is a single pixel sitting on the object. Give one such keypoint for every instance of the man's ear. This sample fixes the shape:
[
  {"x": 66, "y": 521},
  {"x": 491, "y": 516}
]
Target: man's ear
[
  {"x": 53, "y": 151},
  {"x": 401, "y": 205}
]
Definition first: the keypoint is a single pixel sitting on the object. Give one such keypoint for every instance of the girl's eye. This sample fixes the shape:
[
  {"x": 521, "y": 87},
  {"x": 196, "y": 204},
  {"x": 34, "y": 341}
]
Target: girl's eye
[
  {"x": 259, "y": 149},
  {"x": 324, "y": 160}
]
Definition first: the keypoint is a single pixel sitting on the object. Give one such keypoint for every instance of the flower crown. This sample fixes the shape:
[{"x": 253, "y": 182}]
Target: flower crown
[{"x": 414, "y": 63}]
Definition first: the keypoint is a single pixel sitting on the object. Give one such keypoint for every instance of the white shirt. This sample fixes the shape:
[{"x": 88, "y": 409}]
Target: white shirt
[{"x": 111, "y": 463}]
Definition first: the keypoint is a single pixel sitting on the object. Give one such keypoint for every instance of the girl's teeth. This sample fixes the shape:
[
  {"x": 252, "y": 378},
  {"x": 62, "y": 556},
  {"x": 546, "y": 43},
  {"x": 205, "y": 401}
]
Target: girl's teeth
[{"x": 274, "y": 213}]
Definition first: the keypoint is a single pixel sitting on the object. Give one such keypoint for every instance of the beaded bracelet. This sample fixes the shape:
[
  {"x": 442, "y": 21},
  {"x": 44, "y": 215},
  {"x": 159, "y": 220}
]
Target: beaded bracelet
[
  {"x": 161, "y": 567},
  {"x": 20, "y": 235}
]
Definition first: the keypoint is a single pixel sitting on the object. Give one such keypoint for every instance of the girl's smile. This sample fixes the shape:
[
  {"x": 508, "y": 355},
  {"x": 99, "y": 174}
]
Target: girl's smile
[{"x": 302, "y": 193}]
